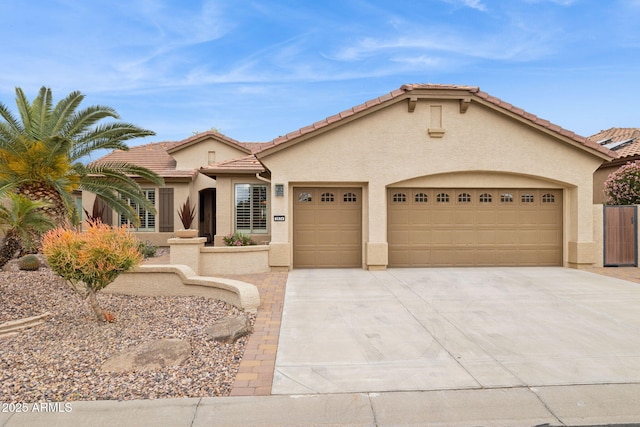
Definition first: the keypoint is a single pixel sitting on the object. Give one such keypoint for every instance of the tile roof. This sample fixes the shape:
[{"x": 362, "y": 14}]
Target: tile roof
[
  {"x": 244, "y": 164},
  {"x": 629, "y": 137},
  {"x": 152, "y": 156},
  {"x": 248, "y": 147},
  {"x": 438, "y": 89}
]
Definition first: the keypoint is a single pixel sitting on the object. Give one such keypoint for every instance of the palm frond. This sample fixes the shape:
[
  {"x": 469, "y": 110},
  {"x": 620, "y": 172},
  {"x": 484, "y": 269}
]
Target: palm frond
[
  {"x": 40, "y": 112},
  {"x": 114, "y": 133},
  {"x": 64, "y": 110},
  {"x": 81, "y": 121},
  {"x": 124, "y": 169},
  {"x": 12, "y": 124},
  {"x": 24, "y": 109}
]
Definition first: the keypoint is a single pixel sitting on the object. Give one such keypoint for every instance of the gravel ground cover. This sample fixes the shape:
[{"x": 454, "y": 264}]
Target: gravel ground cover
[{"x": 60, "y": 360}]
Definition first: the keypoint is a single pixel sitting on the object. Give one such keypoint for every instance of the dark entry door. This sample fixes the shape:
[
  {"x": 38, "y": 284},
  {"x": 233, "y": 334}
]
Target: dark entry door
[{"x": 620, "y": 236}]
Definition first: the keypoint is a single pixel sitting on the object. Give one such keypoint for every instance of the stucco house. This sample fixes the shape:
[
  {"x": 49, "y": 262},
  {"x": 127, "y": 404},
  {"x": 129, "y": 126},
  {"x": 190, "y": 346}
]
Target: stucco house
[
  {"x": 426, "y": 175},
  {"x": 625, "y": 142}
]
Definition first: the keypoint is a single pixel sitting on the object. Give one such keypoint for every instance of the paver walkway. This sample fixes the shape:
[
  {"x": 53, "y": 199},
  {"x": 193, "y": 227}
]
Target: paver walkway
[
  {"x": 631, "y": 274},
  {"x": 255, "y": 375}
]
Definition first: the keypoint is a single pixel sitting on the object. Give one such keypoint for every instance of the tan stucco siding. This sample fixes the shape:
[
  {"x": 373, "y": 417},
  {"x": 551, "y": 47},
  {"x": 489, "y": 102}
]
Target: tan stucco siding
[
  {"x": 225, "y": 207},
  {"x": 197, "y": 155},
  {"x": 391, "y": 146},
  {"x": 180, "y": 193}
]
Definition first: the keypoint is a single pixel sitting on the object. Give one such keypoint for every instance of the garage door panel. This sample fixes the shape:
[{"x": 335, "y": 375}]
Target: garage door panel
[
  {"x": 529, "y": 217},
  {"x": 349, "y": 237},
  {"x": 418, "y": 217},
  {"x": 348, "y": 217},
  {"x": 476, "y": 227},
  {"x": 486, "y": 237},
  {"x": 399, "y": 217},
  {"x": 418, "y": 237},
  {"x": 327, "y": 227},
  {"x": 507, "y": 217},
  {"x": 547, "y": 217},
  {"x": 441, "y": 217},
  {"x": 440, "y": 236},
  {"x": 326, "y": 238},
  {"x": 486, "y": 217},
  {"x": 463, "y": 237},
  {"x": 463, "y": 217},
  {"x": 549, "y": 237}
]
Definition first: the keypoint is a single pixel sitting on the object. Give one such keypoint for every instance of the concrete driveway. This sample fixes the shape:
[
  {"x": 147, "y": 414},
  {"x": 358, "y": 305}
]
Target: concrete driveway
[{"x": 460, "y": 328}]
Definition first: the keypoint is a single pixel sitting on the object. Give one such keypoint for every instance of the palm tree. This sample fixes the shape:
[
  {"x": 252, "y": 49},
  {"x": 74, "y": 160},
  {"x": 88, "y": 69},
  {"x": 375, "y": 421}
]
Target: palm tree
[
  {"x": 18, "y": 220},
  {"x": 40, "y": 155}
]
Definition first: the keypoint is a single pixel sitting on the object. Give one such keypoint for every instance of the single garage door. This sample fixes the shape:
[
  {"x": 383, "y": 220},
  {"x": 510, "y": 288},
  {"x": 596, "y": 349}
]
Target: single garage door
[
  {"x": 474, "y": 227},
  {"x": 327, "y": 227}
]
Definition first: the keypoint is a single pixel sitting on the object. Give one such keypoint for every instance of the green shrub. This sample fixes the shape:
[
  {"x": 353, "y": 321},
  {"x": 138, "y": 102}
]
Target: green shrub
[
  {"x": 622, "y": 187},
  {"x": 29, "y": 263},
  {"x": 147, "y": 249},
  {"x": 238, "y": 239}
]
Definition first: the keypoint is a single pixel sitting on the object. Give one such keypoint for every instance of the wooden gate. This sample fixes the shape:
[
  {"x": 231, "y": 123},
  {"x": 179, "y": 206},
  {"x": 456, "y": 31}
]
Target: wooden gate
[{"x": 620, "y": 236}]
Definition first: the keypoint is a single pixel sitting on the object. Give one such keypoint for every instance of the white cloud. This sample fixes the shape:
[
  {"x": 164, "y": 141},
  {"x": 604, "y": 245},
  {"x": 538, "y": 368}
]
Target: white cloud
[
  {"x": 473, "y": 4},
  {"x": 559, "y": 2}
]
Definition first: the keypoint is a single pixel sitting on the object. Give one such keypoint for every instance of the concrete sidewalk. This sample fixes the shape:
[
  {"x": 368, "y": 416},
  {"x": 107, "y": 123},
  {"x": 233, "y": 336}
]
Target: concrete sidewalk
[{"x": 550, "y": 406}]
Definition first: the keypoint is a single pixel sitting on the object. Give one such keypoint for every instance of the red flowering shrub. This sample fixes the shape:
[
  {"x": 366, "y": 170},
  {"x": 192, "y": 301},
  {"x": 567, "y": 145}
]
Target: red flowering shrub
[{"x": 622, "y": 187}]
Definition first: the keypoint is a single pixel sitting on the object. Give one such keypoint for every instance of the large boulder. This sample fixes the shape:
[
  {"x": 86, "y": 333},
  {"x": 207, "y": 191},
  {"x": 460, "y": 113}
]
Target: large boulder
[
  {"x": 229, "y": 329},
  {"x": 149, "y": 356}
]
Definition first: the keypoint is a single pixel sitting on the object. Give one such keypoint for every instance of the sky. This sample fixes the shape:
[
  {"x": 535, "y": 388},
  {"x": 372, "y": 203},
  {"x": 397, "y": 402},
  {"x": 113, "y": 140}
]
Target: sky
[{"x": 255, "y": 70}]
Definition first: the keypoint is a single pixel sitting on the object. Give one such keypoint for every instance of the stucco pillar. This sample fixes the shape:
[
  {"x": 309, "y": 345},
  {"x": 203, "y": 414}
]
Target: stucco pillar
[
  {"x": 581, "y": 244},
  {"x": 186, "y": 252},
  {"x": 280, "y": 256},
  {"x": 375, "y": 212}
]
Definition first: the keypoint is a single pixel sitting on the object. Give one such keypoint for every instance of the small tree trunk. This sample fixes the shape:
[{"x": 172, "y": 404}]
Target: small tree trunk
[
  {"x": 93, "y": 301},
  {"x": 9, "y": 247}
]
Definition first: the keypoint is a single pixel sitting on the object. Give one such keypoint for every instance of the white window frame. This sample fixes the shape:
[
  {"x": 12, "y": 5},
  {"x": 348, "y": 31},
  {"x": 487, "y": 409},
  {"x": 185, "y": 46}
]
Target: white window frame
[
  {"x": 255, "y": 213},
  {"x": 148, "y": 221}
]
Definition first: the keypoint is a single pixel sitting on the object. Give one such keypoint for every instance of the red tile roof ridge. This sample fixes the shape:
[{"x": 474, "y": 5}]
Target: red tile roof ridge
[
  {"x": 215, "y": 133},
  {"x": 474, "y": 90}
]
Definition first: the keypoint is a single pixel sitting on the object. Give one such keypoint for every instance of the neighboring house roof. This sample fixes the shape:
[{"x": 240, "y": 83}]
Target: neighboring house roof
[
  {"x": 624, "y": 141},
  {"x": 152, "y": 156},
  {"x": 411, "y": 92},
  {"x": 247, "y": 164}
]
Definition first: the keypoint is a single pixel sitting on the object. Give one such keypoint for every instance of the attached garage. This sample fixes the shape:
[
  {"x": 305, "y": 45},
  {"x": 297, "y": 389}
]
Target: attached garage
[
  {"x": 474, "y": 227},
  {"x": 449, "y": 176},
  {"x": 327, "y": 227}
]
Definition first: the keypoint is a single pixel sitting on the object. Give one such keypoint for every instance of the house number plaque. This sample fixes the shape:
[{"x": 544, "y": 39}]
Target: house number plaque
[{"x": 278, "y": 218}]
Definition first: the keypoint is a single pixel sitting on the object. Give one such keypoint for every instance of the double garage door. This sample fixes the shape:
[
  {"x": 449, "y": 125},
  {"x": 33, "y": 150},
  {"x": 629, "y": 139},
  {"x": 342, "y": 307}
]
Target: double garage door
[
  {"x": 474, "y": 227},
  {"x": 432, "y": 227}
]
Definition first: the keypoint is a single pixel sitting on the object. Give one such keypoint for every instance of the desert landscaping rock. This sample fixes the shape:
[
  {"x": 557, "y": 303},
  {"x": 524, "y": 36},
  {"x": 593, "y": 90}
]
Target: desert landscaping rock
[
  {"x": 151, "y": 355},
  {"x": 60, "y": 360},
  {"x": 229, "y": 329}
]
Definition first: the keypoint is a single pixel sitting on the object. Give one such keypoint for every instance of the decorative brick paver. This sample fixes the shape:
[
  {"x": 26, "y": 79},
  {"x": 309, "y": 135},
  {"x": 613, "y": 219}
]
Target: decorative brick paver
[
  {"x": 631, "y": 274},
  {"x": 255, "y": 373}
]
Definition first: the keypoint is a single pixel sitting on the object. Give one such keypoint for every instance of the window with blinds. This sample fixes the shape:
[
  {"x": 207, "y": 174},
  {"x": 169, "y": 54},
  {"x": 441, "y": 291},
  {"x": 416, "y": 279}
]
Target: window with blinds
[
  {"x": 147, "y": 219},
  {"x": 251, "y": 208}
]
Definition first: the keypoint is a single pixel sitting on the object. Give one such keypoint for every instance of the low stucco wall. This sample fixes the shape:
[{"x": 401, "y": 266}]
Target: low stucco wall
[
  {"x": 180, "y": 280},
  {"x": 234, "y": 260}
]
